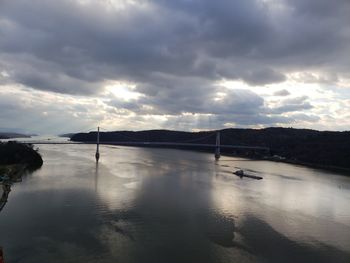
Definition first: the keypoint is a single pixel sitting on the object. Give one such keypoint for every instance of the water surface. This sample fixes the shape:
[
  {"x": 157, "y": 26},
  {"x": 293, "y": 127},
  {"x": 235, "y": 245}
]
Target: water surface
[{"x": 165, "y": 205}]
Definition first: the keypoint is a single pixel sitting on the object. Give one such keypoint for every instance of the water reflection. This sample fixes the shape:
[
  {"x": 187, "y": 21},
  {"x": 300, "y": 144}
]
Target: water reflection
[
  {"x": 279, "y": 248},
  {"x": 6, "y": 183},
  {"x": 96, "y": 177},
  {"x": 158, "y": 205}
]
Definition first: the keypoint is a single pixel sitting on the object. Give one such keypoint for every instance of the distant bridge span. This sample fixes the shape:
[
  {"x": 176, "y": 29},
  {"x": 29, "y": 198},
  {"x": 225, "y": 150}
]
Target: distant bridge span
[{"x": 156, "y": 144}]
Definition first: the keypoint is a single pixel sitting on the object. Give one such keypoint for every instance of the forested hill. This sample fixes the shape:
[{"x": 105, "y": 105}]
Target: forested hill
[
  {"x": 298, "y": 145},
  {"x": 11, "y": 135},
  {"x": 13, "y": 153}
]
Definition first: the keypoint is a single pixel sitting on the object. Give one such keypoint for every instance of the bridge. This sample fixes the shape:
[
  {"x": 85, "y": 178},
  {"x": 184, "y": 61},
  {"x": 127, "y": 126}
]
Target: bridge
[
  {"x": 170, "y": 144},
  {"x": 193, "y": 143}
]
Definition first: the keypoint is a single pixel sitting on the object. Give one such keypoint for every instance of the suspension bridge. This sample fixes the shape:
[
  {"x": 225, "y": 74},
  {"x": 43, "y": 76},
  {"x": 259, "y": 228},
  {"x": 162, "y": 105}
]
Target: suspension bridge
[{"x": 191, "y": 143}]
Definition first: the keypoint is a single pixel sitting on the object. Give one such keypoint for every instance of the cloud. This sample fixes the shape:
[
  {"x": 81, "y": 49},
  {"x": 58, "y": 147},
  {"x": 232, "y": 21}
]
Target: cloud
[
  {"x": 292, "y": 105},
  {"x": 174, "y": 53},
  {"x": 236, "y": 40},
  {"x": 40, "y": 112},
  {"x": 304, "y": 117},
  {"x": 281, "y": 93}
]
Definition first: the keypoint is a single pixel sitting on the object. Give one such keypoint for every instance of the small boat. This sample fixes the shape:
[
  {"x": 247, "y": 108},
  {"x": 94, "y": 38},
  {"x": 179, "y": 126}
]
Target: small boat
[{"x": 241, "y": 174}]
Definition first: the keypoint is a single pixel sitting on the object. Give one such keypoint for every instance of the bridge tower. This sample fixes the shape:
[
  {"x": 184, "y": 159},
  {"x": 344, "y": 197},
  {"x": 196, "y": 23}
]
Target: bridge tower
[
  {"x": 97, "y": 155},
  {"x": 217, "y": 146}
]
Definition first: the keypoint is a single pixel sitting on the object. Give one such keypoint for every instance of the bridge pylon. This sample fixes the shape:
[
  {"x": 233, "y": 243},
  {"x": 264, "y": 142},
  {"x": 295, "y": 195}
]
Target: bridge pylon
[
  {"x": 217, "y": 146},
  {"x": 97, "y": 155}
]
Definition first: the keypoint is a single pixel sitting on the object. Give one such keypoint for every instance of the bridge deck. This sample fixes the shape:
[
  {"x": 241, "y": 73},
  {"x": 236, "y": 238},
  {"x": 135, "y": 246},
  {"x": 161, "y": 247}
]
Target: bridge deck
[{"x": 225, "y": 146}]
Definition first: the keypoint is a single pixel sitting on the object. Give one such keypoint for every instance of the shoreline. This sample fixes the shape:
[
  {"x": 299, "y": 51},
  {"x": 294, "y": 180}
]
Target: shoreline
[
  {"x": 13, "y": 171},
  {"x": 343, "y": 170}
]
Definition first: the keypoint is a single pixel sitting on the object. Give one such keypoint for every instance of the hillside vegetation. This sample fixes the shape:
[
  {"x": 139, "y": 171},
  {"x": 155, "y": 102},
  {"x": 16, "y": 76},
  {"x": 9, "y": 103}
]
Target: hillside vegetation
[
  {"x": 13, "y": 153},
  {"x": 323, "y": 148}
]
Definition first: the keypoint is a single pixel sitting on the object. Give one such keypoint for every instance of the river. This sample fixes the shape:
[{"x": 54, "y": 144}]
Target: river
[{"x": 167, "y": 205}]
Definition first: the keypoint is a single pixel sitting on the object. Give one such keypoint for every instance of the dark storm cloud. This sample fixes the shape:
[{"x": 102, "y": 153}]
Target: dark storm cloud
[
  {"x": 175, "y": 37},
  {"x": 174, "y": 51},
  {"x": 89, "y": 43},
  {"x": 321, "y": 8},
  {"x": 263, "y": 76}
]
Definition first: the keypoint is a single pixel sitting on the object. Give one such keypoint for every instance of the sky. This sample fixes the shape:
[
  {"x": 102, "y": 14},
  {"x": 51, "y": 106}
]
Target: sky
[{"x": 72, "y": 65}]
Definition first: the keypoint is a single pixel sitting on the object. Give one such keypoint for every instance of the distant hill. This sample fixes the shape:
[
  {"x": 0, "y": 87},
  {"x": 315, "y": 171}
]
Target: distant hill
[
  {"x": 67, "y": 135},
  {"x": 11, "y": 135},
  {"x": 304, "y": 146}
]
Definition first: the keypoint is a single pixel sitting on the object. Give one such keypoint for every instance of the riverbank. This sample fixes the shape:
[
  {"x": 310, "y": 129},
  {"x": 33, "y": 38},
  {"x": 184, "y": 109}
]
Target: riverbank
[
  {"x": 322, "y": 149},
  {"x": 343, "y": 170},
  {"x": 225, "y": 152},
  {"x": 16, "y": 158},
  {"x": 12, "y": 173}
]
